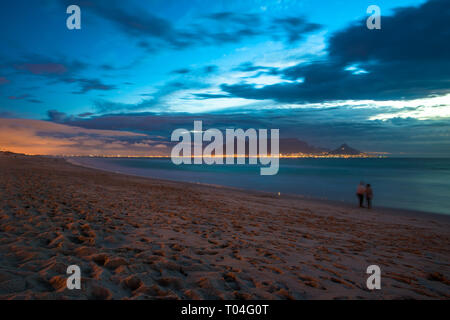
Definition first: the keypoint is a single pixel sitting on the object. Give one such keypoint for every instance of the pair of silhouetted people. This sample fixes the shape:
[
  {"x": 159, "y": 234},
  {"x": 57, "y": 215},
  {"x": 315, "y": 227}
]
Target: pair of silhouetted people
[{"x": 364, "y": 191}]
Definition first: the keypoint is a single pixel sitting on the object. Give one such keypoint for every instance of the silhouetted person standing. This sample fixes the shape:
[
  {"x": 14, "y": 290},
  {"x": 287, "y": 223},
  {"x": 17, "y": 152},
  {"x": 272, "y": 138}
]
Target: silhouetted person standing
[
  {"x": 369, "y": 196},
  {"x": 360, "y": 191}
]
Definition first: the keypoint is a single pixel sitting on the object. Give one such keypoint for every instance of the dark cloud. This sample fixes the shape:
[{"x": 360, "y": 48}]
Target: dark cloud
[
  {"x": 48, "y": 67},
  {"x": 111, "y": 67},
  {"x": 134, "y": 22},
  {"x": 34, "y": 101},
  {"x": 161, "y": 124},
  {"x": 328, "y": 127},
  {"x": 154, "y": 101},
  {"x": 417, "y": 34},
  {"x": 155, "y": 33},
  {"x": 26, "y": 97},
  {"x": 42, "y": 68},
  {"x": 230, "y": 27},
  {"x": 237, "y": 18},
  {"x": 3, "y": 80},
  {"x": 181, "y": 71},
  {"x": 289, "y": 29},
  {"x": 286, "y": 29},
  {"x": 85, "y": 114},
  {"x": 62, "y": 71},
  {"x": 58, "y": 116},
  {"x": 408, "y": 58},
  {"x": 295, "y": 28},
  {"x": 199, "y": 72},
  {"x": 210, "y": 69},
  {"x": 149, "y": 47},
  {"x": 206, "y": 70},
  {"x": 250, "y": 67},
  {"x": 21, "y": 97},
  {"x": 139, "y": 23},
  {"x": 202, "y": 96},
  {"x": 87, "y": 85}
]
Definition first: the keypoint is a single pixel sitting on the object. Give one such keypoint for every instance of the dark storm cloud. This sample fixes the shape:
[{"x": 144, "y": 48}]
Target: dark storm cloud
[
  {"x": 87, "y": 85},
  {"x": 327, "y": 128},
  {"x": 408, "y": 58},
  {"x": 42, "y": 68},
  {"x": 143, "y": 25},
  {"x": 181, "y": 71},
  {"x": 295, "y": 28},
  {"x": 156, "y": 123},
  {"x": 59, "y": 71},
  {"x": 26, "y": 97},
  {"x": 85, "y": 114},
  {"x": 46, "y": 67},
  {"x": 241, "y": 18},
  {"x": 289, "y": 29},
  {"x": 58, "y": 116},
  {"x": 155, "y": 33},
  {"x": 417, "y": 34}
]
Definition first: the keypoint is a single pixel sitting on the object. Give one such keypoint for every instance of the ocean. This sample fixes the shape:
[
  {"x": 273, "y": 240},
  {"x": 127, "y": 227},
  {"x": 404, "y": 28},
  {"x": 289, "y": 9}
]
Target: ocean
[{"x": 421, "y": 184}]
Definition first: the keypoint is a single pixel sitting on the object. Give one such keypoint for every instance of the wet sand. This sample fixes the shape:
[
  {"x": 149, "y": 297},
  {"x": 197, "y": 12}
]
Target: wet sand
[{"x": 138, "y": 238}]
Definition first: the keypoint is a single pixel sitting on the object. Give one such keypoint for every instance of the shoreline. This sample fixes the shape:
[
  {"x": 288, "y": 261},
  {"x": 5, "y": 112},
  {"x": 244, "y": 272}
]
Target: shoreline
[
  {"x": 141, "y": 238},
  {"x": 347, "y": 205}
]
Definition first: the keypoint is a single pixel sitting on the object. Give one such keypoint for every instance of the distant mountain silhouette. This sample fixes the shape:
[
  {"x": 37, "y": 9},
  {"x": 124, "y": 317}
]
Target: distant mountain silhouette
[
  {"x": 286, "y": 146},
  {"x": 345, "y": 149},
  {"x": 293, "y": 145}
]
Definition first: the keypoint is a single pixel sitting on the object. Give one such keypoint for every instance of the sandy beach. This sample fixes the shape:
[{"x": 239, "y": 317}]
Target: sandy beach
[{"x": 138, "y": 238}]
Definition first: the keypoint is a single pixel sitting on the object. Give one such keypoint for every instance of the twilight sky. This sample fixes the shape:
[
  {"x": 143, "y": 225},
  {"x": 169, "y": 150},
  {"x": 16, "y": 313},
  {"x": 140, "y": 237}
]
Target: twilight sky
[{"x": 139, "y": 69}]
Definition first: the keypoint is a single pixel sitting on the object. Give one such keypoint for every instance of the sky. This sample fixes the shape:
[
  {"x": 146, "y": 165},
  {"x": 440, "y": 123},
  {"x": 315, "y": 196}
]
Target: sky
[{"x": 137, "y": 70}]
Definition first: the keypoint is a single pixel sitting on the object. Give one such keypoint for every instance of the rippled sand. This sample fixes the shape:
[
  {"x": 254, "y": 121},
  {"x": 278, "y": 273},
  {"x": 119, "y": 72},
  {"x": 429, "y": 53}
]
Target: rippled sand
[{"x": 137, "y": 238}]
